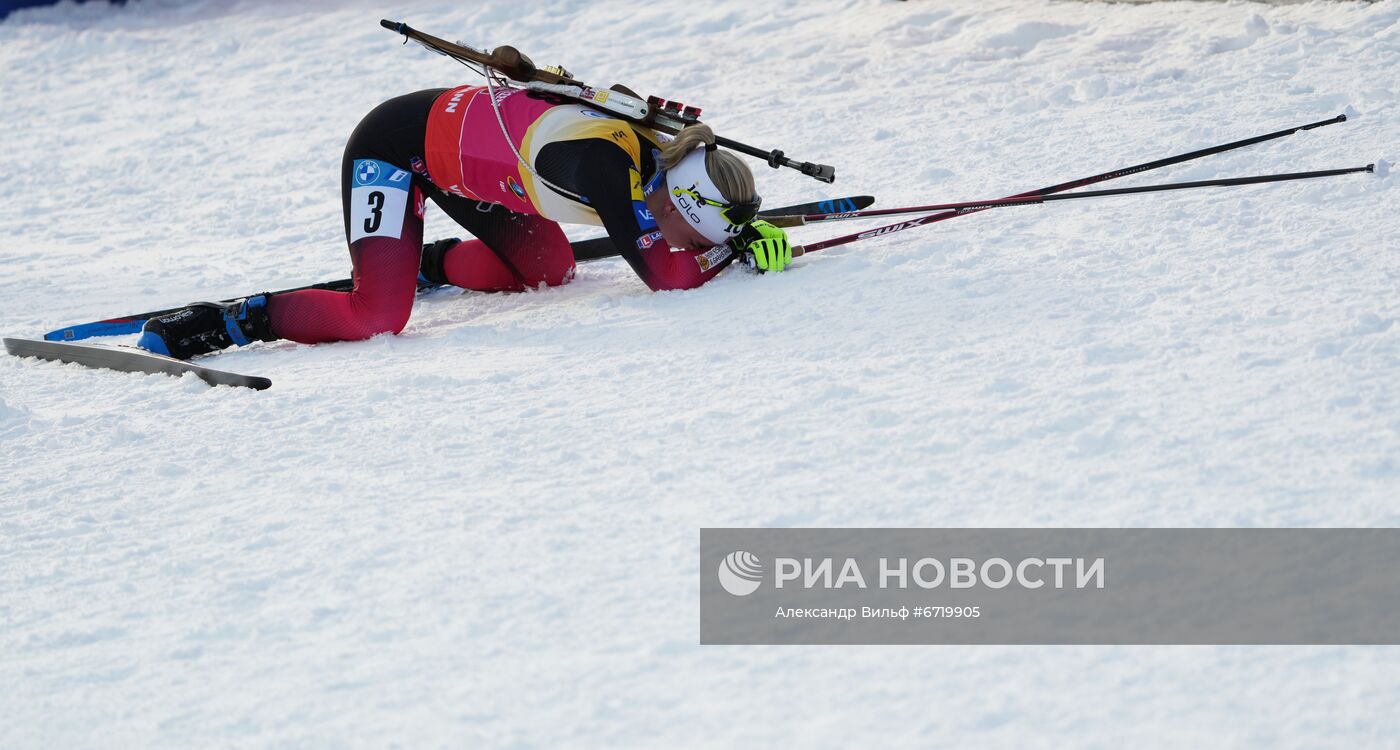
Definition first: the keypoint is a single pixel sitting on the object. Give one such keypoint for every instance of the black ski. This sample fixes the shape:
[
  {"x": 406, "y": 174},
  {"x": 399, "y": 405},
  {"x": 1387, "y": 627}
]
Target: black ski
[
  {"x": 584, "y": 250},
  {"x": 129, "y": 359}
]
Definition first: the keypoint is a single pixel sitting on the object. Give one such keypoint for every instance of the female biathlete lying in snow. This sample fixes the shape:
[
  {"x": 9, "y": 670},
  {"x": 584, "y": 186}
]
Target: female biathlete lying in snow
[{"x": 679, "y": 212}]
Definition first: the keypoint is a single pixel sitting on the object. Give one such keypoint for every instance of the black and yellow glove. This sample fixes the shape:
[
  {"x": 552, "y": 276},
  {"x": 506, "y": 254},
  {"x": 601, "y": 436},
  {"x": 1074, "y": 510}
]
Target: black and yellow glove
[{"x": 764, "y": 247}]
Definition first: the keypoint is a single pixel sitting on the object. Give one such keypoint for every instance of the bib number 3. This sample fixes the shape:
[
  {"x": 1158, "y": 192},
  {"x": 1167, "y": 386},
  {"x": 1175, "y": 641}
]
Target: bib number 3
[
  {"x": 376, "y": 212},
  {"x": 378, "y": 199}
]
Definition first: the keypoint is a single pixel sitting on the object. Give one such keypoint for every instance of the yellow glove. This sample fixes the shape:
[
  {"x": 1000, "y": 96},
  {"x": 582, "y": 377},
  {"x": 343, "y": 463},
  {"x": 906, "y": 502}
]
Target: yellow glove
[{"x": 765, "y": 247}]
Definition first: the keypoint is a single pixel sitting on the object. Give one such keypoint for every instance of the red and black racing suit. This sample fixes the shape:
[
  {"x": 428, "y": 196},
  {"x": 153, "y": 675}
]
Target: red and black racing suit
[{"x": 385, "y": 178}]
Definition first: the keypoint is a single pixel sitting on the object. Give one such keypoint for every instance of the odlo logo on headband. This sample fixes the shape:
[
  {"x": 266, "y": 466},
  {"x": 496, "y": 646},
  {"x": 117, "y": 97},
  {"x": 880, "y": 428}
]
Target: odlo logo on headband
[
  {"x": 694, "y": 205},
  {"x": 683, "y": 201}
]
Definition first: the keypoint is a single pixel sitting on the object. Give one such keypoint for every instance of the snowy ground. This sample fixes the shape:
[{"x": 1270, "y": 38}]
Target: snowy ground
[{"x": 483, "y": 532}]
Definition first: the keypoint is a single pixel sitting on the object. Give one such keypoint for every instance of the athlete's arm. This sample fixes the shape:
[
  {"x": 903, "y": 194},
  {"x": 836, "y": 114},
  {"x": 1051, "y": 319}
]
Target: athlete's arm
[{"x": 606, "y": 178}]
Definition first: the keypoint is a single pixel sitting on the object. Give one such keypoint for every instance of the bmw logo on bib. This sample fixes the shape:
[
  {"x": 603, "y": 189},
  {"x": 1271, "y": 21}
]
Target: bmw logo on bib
[{"x": 366, "y": 171}]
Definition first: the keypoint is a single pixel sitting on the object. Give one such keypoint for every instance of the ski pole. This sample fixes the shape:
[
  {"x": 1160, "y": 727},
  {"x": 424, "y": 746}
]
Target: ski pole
[
  {"x": 1072, "y": 184},
  {"x": 970, "y": 206}
]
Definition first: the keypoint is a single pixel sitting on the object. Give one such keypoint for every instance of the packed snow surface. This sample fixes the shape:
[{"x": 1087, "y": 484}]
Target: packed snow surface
[{"x": 483, "y": 532}]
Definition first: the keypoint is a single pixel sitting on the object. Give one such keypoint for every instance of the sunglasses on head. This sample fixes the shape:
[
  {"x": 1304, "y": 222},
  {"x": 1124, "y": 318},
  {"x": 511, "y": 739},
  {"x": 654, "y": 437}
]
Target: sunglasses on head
[{"x": 735, "y": 212}]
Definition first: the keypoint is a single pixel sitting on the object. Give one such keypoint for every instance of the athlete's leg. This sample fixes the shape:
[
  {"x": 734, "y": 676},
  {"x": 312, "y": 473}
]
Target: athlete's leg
[
  {"x": 384, "y": 226},
  {"x": 386, "y": 279},
  {"x": 512, "y": 251},
  {"x": 474, "y": 266},
  {"x": 386, "y": 236}
]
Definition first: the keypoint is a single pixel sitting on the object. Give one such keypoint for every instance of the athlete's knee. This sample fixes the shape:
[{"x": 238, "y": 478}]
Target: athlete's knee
[
  {"x": 379, "y": 306},
  {"x": 376, "y": 316},
  {"x": 386, "y": 273},
  {"x": 557, "y": 273},
  {"x": 469, "y": 265},
  {"x": 549, "y": 260}
]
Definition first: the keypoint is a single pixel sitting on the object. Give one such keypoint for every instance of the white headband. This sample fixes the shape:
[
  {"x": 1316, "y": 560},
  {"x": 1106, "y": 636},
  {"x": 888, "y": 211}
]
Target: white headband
[{"x": 690, "y": 174}]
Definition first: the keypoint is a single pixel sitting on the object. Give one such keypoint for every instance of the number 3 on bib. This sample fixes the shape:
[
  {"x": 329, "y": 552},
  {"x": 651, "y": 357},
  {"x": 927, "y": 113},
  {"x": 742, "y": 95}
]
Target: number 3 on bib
[{"x": 378, "y": 199}]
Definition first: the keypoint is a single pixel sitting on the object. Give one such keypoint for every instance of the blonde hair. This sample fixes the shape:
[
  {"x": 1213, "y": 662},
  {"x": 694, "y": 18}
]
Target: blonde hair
[{"x": 730, "y": 174}]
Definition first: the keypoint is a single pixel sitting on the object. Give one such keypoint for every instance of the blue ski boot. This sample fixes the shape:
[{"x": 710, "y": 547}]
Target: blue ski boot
[{"x": 205, "y": 327}]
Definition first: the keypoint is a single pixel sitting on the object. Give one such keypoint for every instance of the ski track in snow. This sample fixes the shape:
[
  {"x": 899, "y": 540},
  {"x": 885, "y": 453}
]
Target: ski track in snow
[{"x": 483, "y": 532}]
